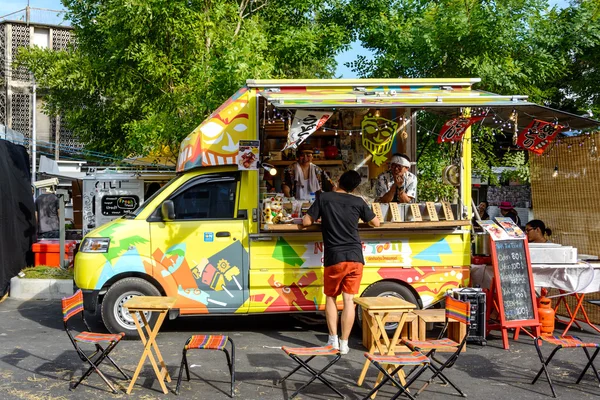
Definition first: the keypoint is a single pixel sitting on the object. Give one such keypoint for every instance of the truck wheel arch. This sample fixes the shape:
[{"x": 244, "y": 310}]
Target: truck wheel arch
[{"x": 118, "y": 290}]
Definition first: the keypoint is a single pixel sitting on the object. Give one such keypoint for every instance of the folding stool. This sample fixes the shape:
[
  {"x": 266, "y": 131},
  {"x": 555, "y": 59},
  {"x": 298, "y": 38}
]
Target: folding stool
[
  {"x": 564, "y": 342},
  {"x": 207, "y": 342},
  {"x": 72, "y": 306},
  {"x": 311, "y": 352}
]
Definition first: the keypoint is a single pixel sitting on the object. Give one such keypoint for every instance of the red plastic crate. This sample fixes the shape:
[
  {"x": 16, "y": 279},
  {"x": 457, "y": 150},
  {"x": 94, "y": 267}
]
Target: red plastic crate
[{"x": 46, "y": 252}]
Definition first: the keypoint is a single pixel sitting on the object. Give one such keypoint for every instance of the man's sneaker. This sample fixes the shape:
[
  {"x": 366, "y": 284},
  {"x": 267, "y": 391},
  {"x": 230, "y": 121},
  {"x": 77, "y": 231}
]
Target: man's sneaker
[
  {"x": 333, "y": 341},
  {"x": 344, "y": 349}
]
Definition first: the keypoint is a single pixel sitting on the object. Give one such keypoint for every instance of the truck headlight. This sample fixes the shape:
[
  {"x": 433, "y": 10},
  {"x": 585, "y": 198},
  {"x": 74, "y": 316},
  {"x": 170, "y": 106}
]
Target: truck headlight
[{"x": 94, "y": 245}]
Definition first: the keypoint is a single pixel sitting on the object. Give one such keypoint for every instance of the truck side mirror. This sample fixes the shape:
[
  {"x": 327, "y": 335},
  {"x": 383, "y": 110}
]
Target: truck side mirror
[{"x": 167, "y": 210}]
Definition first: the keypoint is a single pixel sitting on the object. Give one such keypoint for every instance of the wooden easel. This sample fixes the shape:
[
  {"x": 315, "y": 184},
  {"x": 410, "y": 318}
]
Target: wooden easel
[{"x": 495, "y": 302}]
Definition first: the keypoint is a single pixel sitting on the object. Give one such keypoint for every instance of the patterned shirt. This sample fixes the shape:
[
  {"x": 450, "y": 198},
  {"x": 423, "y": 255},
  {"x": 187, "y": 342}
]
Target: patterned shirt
[
  {"x": 385, "y": 181},
  {"x": 289, "y": 178}
]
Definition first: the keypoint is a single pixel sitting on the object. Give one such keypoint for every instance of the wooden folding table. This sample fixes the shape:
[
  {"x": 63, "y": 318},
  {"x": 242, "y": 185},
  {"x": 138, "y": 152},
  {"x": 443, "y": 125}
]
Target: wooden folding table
[
  {"x": 161, "y": 305},
  {"x": 375, "y": 312}
]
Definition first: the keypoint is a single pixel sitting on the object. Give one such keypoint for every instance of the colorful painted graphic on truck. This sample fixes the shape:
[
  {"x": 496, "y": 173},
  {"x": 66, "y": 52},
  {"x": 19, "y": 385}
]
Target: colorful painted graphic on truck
[{"x": 209, "y": 275}]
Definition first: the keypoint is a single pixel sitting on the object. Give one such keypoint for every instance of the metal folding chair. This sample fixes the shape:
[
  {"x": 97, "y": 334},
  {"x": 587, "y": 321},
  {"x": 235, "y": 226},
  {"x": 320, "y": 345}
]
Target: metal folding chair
[
  {"x": 563, "y": 342},
  {"x": 311, "y": 352},
  {"x": 72, "y": 306},
  {"x": 416, "y": 359},
  {"x": 456, "y": 310},
  {"x": 207, "y": 342}
]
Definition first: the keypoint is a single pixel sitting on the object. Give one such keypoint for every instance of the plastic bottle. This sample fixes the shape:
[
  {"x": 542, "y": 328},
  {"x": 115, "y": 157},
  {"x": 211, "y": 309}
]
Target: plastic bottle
[{"x": 312, "y": 197}]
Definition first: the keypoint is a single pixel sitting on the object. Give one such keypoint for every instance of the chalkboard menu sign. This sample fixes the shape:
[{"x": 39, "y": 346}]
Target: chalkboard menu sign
[
  {"x": 515, "y": 280},
  {"x": 119, "y": 205}
]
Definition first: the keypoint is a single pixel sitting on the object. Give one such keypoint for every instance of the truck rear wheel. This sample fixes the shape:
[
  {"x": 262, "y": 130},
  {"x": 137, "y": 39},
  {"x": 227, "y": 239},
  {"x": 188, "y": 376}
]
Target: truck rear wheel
[
  {"x": 387, "y": 289},
  {"x": 116, "y": 318}
]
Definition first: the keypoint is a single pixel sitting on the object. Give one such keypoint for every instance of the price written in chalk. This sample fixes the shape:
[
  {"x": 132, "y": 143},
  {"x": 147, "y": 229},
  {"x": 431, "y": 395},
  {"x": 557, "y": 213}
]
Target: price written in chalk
[{"x": 514, "y": 279}]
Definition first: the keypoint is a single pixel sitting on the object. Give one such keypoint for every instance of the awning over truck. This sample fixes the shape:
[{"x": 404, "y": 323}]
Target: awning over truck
[{"x": 438, "y": 96}]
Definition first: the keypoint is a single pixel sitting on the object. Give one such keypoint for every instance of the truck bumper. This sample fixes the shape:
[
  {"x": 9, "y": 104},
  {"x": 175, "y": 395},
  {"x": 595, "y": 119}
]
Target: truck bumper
[{"x": 90, "y": 300}]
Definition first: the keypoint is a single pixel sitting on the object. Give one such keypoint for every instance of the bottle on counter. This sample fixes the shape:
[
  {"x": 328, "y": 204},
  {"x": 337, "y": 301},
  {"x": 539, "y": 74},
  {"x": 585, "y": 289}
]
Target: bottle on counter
[{"x": 312, "y": 197}]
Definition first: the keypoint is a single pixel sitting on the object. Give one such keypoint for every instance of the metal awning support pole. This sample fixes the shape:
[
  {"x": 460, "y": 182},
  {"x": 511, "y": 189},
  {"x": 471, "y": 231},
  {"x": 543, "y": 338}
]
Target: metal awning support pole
[{"x": 34, "y": 136}]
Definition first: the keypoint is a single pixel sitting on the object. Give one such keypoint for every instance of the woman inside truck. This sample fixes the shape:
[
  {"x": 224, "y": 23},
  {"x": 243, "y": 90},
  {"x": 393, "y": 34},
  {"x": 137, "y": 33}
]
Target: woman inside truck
[{"x": 302, "y": 178}]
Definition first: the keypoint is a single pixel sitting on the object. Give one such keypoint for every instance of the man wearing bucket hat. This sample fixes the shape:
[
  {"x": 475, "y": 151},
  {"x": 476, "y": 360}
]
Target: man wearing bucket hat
[
  {"x": 507, "y": 210},
  {"x": 398, "y": 185},
  {"x": 302, "y": 178}
]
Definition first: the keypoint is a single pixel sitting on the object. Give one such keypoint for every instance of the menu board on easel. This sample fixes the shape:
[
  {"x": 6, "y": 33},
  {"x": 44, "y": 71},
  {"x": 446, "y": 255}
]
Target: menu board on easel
[{"x": 513, "y": 289}]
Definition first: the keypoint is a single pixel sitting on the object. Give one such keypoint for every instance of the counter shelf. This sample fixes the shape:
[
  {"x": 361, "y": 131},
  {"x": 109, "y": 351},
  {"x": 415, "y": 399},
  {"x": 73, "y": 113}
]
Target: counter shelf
[{"x": 366, "y": 228}]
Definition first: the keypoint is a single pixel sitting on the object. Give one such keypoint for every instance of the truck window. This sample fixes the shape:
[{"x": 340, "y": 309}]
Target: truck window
[{"x": 208, "y": 200}]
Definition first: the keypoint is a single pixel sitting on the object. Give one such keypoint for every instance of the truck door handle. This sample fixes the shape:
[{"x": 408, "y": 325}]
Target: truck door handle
[{"x": 223, "y": 234}]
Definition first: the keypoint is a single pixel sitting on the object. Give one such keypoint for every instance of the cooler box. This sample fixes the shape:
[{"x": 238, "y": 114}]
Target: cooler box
[{"x": 46, "y": 252}]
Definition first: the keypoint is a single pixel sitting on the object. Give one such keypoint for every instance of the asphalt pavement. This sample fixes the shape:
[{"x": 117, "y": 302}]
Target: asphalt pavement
[{"x": 37, "y": 361}]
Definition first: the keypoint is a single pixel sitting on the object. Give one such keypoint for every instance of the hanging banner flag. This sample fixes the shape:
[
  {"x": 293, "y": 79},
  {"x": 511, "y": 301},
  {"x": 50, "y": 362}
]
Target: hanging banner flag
[
  {"x": 538, "y": 135},
  {"x": 305, "y": 123},
  {"x": 454, "y": 129}
]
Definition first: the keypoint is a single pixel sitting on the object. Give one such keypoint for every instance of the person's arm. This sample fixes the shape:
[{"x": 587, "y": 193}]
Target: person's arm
[
  {"x": 366, "y": 214},
  {"x": 374, "y": 222},
  {"x": 384, "y": 195},
  {"x": 313, "y": 214},
  {"x": 408, "y": 192},
  {"x": 307, "y": 220}
]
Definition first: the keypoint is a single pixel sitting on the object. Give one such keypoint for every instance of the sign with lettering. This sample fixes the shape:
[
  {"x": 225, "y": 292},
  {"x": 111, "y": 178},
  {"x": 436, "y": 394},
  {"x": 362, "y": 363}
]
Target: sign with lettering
[
  {"x": 513, "y": 283},
  {"x": 538, "y": 135},
  {"x": 454, "y": 129},
  {"x": 305, "y": 123},
  {"x": 377, "y": 211},
  {"x": 395, "y": 210},
  {"x": 119, "y": 205},
  {"x": 415, "y": 212},
  {"x": 448, "y": 214},
  {"x": 431, "y": 211}
]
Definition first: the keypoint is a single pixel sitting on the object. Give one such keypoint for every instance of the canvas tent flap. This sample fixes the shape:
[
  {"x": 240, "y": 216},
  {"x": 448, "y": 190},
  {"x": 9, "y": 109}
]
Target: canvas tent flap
[{"x": 215, "y": 141}]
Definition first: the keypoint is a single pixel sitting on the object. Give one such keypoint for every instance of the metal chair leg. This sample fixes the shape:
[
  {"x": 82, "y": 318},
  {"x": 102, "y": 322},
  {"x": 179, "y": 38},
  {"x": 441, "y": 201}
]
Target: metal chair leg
[
  {"x": 590, "y": 364},
  {"x": 181, "y": 368},
  {"x": 545, "y": 365}
]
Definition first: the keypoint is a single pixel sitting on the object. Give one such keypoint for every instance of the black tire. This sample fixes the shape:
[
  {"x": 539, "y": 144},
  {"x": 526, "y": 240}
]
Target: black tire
[
  {"x": 387, "y": 289},
  {"x": 115, "y": 317}
]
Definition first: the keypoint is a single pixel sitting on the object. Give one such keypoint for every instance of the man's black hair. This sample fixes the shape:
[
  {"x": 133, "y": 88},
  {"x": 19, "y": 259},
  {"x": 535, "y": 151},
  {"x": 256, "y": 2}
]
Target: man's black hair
[{"x": 349, "y": 181}]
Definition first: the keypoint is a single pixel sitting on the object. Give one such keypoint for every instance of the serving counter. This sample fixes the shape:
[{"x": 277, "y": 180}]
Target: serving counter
[{"x": 366, "y": 227}]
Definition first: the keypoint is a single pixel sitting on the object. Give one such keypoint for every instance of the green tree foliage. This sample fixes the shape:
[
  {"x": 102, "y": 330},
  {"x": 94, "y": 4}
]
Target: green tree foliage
[
  {"x": 143, "y": 74},
  {"x": 514, "y": 46}
]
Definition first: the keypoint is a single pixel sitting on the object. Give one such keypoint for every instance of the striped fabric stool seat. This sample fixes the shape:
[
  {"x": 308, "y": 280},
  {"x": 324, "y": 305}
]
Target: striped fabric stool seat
[
  {"x": 310, "y": 351},
  {"x": 564, "y": 342},
  {"x": 296, "y": 353},
  {"x": 207, "y": 342},
  {"x": 92, "y": 337},
  {"x": 382, "y": 362},
  {"x": 567, "y": 341},
  {"x": 414, "y": 358}
]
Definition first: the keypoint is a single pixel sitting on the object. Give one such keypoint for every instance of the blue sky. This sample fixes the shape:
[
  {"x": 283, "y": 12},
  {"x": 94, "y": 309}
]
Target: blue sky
[{"x": 8, "y": 6}]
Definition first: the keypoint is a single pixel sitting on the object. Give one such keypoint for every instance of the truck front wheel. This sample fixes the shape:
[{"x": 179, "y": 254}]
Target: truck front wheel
[{"x": 116, "y": 318}]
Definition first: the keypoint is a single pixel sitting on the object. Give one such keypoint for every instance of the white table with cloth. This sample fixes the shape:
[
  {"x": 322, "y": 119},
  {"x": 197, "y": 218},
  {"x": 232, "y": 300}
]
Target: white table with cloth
[{"x": 570, "y": 279}]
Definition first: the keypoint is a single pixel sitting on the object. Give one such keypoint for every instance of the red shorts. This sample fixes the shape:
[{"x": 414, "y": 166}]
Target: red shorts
[{"x": 342, "y": 277}]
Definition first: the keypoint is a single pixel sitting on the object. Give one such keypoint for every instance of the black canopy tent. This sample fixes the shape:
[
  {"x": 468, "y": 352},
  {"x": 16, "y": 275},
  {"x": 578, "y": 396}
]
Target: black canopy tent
[{"x": 17, "y": 212}]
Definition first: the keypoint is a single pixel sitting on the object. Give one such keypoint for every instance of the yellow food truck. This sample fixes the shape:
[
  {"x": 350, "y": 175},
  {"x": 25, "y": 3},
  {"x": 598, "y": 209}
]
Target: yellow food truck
[{"x": 208, "y": 239}]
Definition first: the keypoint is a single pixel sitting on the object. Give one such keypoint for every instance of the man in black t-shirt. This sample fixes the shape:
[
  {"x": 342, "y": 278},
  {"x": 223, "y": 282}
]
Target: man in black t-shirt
[{"x": 343, "y": 259}]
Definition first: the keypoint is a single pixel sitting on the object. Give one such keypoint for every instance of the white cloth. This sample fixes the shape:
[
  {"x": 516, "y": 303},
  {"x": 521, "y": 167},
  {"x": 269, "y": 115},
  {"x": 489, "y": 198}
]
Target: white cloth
[
  {"x": 304, "y": 187},
  {"x": 572, "y": 278}
]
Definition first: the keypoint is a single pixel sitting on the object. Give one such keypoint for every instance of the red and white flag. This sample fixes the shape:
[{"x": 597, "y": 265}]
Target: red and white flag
[
  {"x": 538, "y": 135},
  {"x": 454, "y": 129},
  {"x": 305, "y": 123}
]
